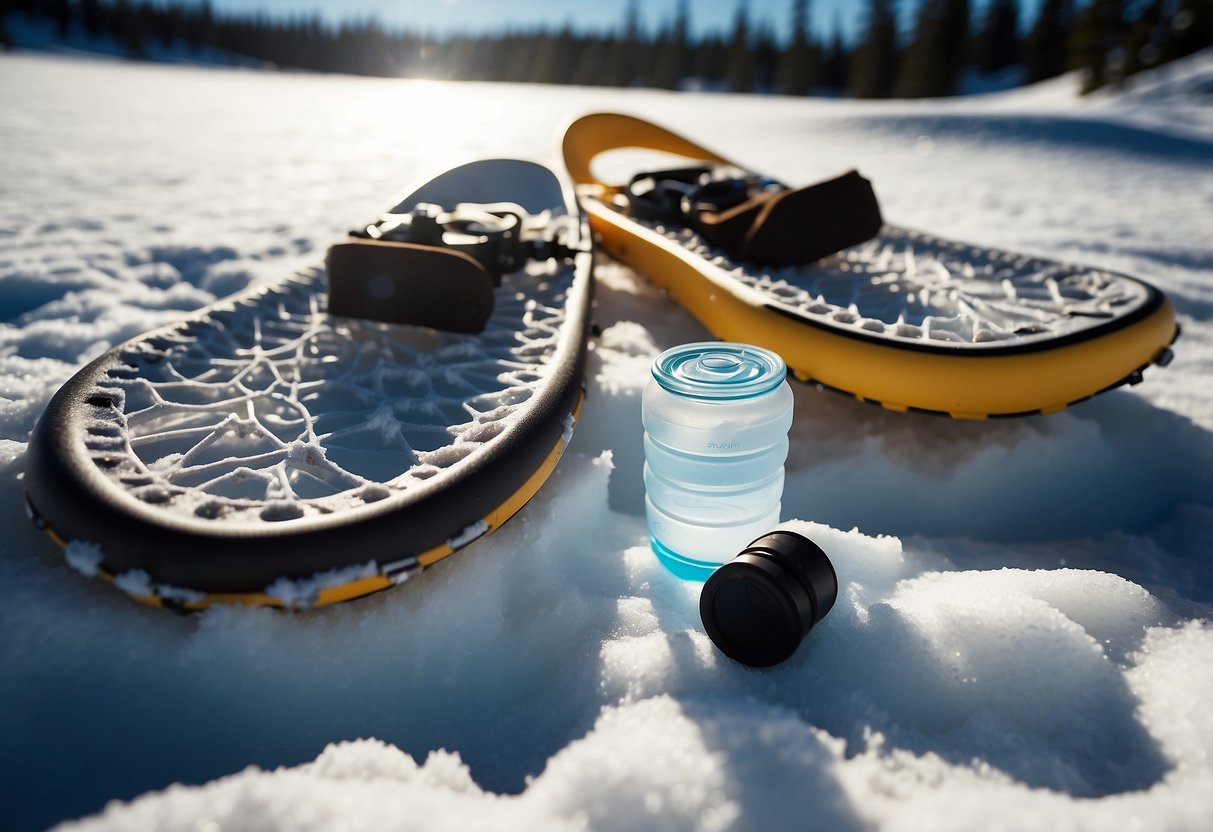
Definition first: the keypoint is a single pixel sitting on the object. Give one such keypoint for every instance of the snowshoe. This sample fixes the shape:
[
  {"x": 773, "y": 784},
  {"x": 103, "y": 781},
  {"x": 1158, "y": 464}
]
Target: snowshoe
[
  {"x": 331, "y": 434},
  {"x": 889, "y": 315}
]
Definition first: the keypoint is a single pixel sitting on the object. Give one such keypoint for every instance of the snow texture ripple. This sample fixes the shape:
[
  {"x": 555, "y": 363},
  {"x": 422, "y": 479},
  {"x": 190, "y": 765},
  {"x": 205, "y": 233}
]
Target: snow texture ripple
[{"x": 1022, "y": 637}]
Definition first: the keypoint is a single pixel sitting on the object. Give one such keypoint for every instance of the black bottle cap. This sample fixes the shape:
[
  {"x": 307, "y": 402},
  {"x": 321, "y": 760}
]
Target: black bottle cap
[{"x": 758, "y": 606}]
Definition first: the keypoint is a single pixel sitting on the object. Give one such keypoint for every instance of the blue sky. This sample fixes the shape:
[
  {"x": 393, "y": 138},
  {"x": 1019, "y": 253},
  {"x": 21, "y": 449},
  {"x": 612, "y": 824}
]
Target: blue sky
[{"x": 446, "y": 16}]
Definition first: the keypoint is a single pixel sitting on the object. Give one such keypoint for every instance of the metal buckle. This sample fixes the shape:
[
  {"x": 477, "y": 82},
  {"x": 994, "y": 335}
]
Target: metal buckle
[
  {"x": 492, "y": 234},
  {"x": 679, "y": 193}
]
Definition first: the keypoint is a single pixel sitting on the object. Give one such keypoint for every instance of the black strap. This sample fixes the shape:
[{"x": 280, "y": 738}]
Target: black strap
[
  {"x": 490, "y": 234},
  {"x": 756, "y": 219},
  {"x": 673, "y": 195},
  {"x": 438, "y": 268},
  {"x": 405, "y": 283}
]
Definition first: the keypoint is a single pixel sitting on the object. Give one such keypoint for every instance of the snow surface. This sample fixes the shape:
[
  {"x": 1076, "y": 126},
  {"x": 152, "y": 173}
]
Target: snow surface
[{"x": 1022, "y": 636}]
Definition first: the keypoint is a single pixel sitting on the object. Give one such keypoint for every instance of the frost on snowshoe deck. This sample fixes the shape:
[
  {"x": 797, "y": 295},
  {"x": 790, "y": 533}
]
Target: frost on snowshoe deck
[
  {"x": 253, "y": 417},
  {"x": 915, "y": 288},
  {"x": 905, "y": 294},
  {"x": 906, "y": 320}
]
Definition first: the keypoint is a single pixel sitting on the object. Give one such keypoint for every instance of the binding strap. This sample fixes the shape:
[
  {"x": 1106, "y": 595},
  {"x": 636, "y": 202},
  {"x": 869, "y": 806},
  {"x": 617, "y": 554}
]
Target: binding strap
[
  {"x": 406, "y": 283},
  {"x": 756, "y": 219},
  {"x": 436, "y": 268}
]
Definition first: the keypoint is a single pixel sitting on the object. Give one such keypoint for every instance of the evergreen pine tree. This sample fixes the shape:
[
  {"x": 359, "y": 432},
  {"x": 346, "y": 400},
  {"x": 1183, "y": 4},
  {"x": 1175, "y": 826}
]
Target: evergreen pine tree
[
  {"x": 709, "y": 59},
  {"x": 1045, "y": 51},
  {"x": 61, "y": 11},
  {"x": 130, "y": 30},
  {"x": 168, "y": 24},
  {"x": 1086, "y": 48},
  {"x": 997, "y": 42},
  {"x": 834, "y": 64},
  {"x": 622, "y": 68},
  {"x": 543, "y": 63},
  {"x": 484, "y": 53},
  {"x": 955, "y": 43},
  {"x": 1096, "y": 44},
  {"x": 874, "y": 61},
  {"x": 1146, "y": 37},
  {"x": 6, "y": 40},
  {"x": 671, "y": 64},
  {"x": 919, "y": 68},
  {"x": 371, "y": 45},
  {"x": 90, "y": 17},
  {"x": 191, "y": 28},
  {"x": 797, "y": 64},
  {"x": 567, "y": 51},
  {"x": 516, "y": 66},
  {"x": 591, "y": 63},
  {"x": 765, "y": 50},
  {"x": 551, "y": 55},
  {"x": 739, "y": 73},
  {"x": 1191, "y": 29},
  {"x": 935, "y": 58},
  {"x": 199, "y": 27}
]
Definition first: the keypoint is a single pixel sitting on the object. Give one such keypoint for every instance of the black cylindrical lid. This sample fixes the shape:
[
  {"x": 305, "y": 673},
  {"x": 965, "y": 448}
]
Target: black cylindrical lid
[{"x": 758, "y": 606}]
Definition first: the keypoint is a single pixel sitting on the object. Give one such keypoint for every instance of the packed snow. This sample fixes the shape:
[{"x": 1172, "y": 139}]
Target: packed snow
[{"x": 1022, "y": 634}]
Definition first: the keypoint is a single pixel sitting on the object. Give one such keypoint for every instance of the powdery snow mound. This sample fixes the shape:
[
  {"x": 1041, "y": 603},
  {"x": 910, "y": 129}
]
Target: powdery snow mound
[
  {"x": 943, "y": 701},
  {"x": 1019, "y": 641},
  {"x": 923, "y": 702}
]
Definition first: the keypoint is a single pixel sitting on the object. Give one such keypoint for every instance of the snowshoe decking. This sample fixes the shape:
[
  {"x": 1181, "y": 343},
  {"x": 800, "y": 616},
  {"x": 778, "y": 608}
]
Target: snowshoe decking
[
  {"x": 267, "y": 451},
  {"x": 889, "y": 315}
]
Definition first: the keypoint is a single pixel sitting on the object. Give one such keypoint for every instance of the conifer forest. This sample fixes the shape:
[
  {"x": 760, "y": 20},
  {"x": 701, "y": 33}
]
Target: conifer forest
[{"x": 1106, "y": 40}]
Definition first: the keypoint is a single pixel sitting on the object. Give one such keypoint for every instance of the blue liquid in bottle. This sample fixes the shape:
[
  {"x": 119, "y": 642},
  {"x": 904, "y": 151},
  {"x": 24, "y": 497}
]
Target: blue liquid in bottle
[{"x": 716, "y": 418}]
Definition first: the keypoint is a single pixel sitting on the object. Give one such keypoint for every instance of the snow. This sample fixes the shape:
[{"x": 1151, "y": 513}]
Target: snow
[
  {"x": 302, "y": 594},
  {"x": 1021, "y": 639},
  {"x": 83, "y": 556}
]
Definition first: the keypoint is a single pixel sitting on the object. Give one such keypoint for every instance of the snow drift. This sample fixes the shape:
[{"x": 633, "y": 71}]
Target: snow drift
[{"x": 1021, "y": 639}]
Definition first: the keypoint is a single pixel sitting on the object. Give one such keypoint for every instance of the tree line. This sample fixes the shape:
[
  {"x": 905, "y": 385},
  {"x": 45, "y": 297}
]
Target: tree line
[{"x": 1107, "y": 40}]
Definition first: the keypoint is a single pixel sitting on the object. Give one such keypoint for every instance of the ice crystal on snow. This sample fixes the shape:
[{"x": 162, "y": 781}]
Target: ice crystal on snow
[{"x": 84, "y": 557}]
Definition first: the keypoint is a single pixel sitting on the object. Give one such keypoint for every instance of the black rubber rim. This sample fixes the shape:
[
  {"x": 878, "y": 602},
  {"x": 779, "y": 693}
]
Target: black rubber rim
[{"x": 84, "y": 504}]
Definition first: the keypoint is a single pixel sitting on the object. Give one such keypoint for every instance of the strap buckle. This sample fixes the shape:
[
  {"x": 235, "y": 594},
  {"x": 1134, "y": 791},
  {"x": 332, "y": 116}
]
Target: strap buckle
[
  {"x": 678, "y": 193},
  {"x": 496, "y": 235},
  {"x": 754, "y": 218}
]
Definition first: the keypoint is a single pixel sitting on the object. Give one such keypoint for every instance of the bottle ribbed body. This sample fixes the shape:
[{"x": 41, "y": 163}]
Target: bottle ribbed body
[{"x": 716, "y": 419}]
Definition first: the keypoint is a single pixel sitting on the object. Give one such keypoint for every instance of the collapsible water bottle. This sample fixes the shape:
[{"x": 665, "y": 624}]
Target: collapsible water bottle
[{"x": 716, "y": 418}]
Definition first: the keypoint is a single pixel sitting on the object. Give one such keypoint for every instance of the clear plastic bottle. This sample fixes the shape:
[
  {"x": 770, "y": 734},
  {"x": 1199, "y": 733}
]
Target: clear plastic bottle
[{"x": 716, "y": 418}]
